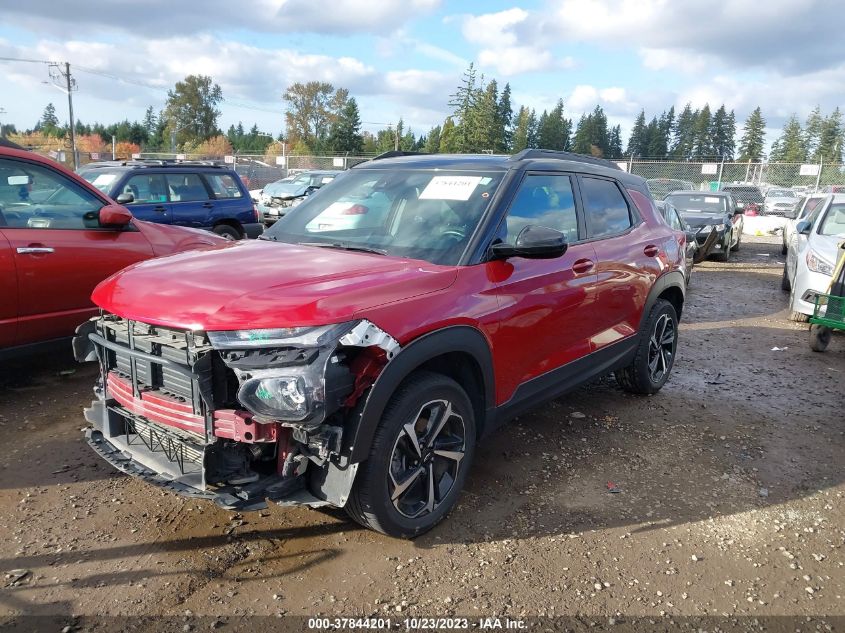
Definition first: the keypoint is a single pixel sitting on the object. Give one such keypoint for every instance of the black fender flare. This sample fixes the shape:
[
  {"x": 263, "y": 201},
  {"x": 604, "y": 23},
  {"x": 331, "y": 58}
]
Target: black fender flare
[
  {"x": 364, "y": 420},
  {"x": 672, "y": 279}
]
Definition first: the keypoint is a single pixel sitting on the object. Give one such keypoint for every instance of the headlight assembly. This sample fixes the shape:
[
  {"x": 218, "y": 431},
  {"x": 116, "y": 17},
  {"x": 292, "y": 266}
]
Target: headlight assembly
[
  {"x": 817, "y": 264},
  {"x": 277, "y": 397},
  {"x": 269, "y": 337}
]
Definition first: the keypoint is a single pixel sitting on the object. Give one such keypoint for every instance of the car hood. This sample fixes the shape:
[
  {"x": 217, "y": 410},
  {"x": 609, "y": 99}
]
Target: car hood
[
  {"x": 696, "y": 219},
  {"x": 262, "y": 284},
  {"x": 282, "y": 189}
]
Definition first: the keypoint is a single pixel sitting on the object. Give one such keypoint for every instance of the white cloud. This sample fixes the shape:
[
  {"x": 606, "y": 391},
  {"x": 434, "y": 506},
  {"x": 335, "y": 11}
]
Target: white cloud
[
  {"x": 515, "y": 60},
  {"x": 169, "y": 18},
  {"x": 494, "y": 29}
]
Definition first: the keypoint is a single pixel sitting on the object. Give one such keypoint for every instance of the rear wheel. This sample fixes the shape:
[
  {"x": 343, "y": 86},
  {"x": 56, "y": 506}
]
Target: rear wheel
[
  {"x": 227, "y": 232},
  {"x": 655, "y": 354},
  {"x": 820, "y": 337},
  {"x": 419, "y": 458},
  {"x": 735, "y": 247}
]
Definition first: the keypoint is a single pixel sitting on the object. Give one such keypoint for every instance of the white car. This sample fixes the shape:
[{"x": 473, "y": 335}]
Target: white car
[
  {"x": 812, "y": 255},
  {"x": 803, "y": 208}
]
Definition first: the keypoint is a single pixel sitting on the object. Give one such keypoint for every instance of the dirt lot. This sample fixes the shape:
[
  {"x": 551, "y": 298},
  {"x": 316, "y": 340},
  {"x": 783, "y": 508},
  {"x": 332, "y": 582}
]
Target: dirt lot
[{"x": 730, "y": 503}]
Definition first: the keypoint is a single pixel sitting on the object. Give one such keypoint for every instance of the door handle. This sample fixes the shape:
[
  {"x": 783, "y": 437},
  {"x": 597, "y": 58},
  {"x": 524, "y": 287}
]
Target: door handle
[
  {"x": 208, "y": 205},
  {"x": 160, "y": 209},
  {"x": 33, "y": 250},
  {"x": 582, "y": 266},
  {"x": 651, "y": 251}
]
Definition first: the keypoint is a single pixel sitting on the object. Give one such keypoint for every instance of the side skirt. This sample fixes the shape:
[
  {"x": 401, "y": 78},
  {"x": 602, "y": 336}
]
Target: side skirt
[{"x": 557, "y": 382}]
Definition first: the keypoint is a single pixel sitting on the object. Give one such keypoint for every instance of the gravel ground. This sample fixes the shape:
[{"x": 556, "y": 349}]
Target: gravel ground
[{"x": 728, "y": 511}]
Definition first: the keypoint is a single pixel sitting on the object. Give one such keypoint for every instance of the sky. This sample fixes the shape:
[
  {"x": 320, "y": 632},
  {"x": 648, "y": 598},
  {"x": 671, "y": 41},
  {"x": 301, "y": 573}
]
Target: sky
[{"x": 403, "y": 58}]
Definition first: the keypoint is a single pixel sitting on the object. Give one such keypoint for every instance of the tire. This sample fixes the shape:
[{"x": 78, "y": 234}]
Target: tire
[
  {"x": 423, "y": 398},
  {"x": 820, "y": 337},
  {"x": 640, "y": 377},
  {"x": 784, "y": 281},
  {"x": 689, "y": 276},
  {"x": 798, "y": 317},
  {"x": 227, "y": 232},
  {"x": 783, "y": 249},
  {"x": 725, "y": 255}
]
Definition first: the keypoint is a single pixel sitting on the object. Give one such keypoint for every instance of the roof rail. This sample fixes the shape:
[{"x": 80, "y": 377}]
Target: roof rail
[
  {"x": 156, "y": 162},
  {"x": 395, "y": 153},
  {"x": 559, "y": 155}
]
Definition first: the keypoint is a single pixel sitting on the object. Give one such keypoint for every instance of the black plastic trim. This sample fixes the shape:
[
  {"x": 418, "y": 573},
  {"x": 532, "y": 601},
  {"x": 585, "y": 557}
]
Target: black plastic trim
[
  {"x": 459, "y": 338},
  {"x": 555, "y": 383},
  {"x": 99, "y": 340}
]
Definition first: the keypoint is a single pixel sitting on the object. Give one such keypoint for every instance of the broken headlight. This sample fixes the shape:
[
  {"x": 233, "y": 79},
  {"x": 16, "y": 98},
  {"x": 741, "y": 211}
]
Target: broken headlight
[
  {"x": 277, "y": 397},
  {"x": 269, "y": 337}
]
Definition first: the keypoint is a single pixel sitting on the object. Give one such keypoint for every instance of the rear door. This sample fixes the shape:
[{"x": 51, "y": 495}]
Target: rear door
[
  {"x": 627, "y": 259},
  {"x": 229, "y": 201},
  {"x": 149, "y": 191},
  {"x": 60, "y": 252},
  {"x": 8, "y": 291},
  {"x": 190, "y": 199},
  {"x": 546, "y": 304}
]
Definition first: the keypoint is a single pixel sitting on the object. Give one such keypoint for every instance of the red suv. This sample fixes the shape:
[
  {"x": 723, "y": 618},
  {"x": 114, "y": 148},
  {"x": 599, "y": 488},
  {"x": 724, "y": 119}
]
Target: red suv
[
  {"x": 355, "y": 353},
  {"x": 60, "y": 237}
]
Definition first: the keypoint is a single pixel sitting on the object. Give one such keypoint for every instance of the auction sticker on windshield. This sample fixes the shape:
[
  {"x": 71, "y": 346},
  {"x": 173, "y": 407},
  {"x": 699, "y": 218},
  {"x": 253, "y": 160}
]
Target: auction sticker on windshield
[
  {"x": 711, "y": 200},
  {"x": 450, "y": 188}
]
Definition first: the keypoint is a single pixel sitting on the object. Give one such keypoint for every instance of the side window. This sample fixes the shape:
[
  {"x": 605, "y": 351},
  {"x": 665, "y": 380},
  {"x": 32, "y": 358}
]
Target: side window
[
  {"x": 545, "y": 200},
  {"x": 186, "y": 188},
  {"x": 36, "y": 197},
  {"x": 223, "y": 186},
  {"x": 677, "y": 223},
  {"x": 606, "y": 209},
  {"x": 146, "y": 188}
]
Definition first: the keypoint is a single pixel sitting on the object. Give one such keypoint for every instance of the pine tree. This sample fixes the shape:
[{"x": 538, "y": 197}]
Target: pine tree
[
  {"x": 753, "y": 137},
  {"x": 521, "y": 133},
  {"x": 813, "y": 133},
  {"x": 506, "y": 118},
  {"x": 637, "y": 138},
  {"x": 655, "y": 142},
  {"x": 682, "y": 146},
  {"x": 432, "y": 141},
  {"x": 49, "y": 122},
  {"x": 463, "y": 102},
  {"x": 449, "y": 137},
  {"x": 831, "y": 139},
  {"x": 150, "y": 121},
  {"x": 614, "y": 143},
  {"x": 790, "y": 147},
  {"x": 703, "y": 143},
  {"x": 591, "y": 134},
  {"x": 345, "y": 130},
  {"x": 554, "y": 129},
  {"x": 723, "y": 130},
  {"x": 485, "y": 130}
]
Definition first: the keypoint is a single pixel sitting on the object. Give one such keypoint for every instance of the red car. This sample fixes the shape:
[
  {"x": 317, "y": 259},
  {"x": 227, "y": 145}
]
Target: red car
[
  {"x": 355, "y": 353},
  {"x": 59, "y": 238}
]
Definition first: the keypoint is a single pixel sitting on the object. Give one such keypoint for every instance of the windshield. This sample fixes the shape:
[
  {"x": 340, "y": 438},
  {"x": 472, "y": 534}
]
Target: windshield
[
  {"x": 698, "y": 203},
  {"x": 780, "y": 193},
  {"x": 420, "y": 214},
  {"x": 102, "y": 179},
  {"x": 745, "y": 194},
  {"x": 660, "y": 188},
  {"x": 833, "y": 222}
]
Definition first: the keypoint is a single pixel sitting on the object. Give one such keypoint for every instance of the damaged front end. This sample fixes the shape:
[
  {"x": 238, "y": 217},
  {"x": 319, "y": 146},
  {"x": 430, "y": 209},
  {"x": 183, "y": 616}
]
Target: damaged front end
[{"x": 238, "y": 417}]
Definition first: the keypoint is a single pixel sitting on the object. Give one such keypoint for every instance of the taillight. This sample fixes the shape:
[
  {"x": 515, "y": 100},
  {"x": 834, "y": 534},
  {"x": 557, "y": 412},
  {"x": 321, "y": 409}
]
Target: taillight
[
  {"x": 355, "y": 209},
  {"x": 255, "y": 211}
]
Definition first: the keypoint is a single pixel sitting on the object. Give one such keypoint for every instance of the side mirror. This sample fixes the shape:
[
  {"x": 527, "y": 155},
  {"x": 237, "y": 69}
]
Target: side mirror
[
  {"x": 125, "y": 198},
  {"x": 533, "y": 242},
  {"x": 804, "y": 227},
  {"x": 739, "y": 209},
  {"x": 114, "y": 216}
]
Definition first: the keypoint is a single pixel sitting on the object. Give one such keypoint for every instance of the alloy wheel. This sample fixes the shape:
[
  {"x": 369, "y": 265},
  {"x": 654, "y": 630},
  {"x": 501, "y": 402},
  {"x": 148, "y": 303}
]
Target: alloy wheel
[
  {"x": 426, "y": 458},
  {"x": 661, "y": 348}
]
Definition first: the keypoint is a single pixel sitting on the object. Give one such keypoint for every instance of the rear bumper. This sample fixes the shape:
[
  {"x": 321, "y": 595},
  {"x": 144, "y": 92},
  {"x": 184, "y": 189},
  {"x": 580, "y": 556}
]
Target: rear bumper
[{"x": 254, "y": 229}]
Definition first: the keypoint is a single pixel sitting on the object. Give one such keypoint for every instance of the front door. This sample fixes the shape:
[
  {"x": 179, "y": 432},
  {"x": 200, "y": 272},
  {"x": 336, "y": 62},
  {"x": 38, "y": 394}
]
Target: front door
[
  {"x": 60, "y": 252},
  {"x": 545, "y": 304},
  {"x": 150, "y": 203},
  {"x": 190, "y": 199}
]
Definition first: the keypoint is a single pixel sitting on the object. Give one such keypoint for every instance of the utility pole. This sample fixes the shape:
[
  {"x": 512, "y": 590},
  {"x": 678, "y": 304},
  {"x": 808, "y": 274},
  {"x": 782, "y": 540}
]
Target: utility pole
[
  {"x": 2, "y": 112},
  {"x": 56, "y": 73}
]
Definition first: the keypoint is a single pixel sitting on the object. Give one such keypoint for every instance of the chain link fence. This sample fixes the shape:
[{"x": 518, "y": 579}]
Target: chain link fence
[{"x": 713, "y": 175}]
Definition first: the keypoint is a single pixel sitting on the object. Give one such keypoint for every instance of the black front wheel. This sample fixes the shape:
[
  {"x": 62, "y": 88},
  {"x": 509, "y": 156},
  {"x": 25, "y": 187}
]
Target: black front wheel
[
  {"x": 227, "y": 232},
  {"x": 655, "y": 354},
  {"x": 419, "y": 458}
]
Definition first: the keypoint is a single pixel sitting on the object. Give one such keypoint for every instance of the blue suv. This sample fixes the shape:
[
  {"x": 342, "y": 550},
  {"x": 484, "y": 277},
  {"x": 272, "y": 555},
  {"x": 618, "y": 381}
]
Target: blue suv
[{"x": 195, "y": 194}]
